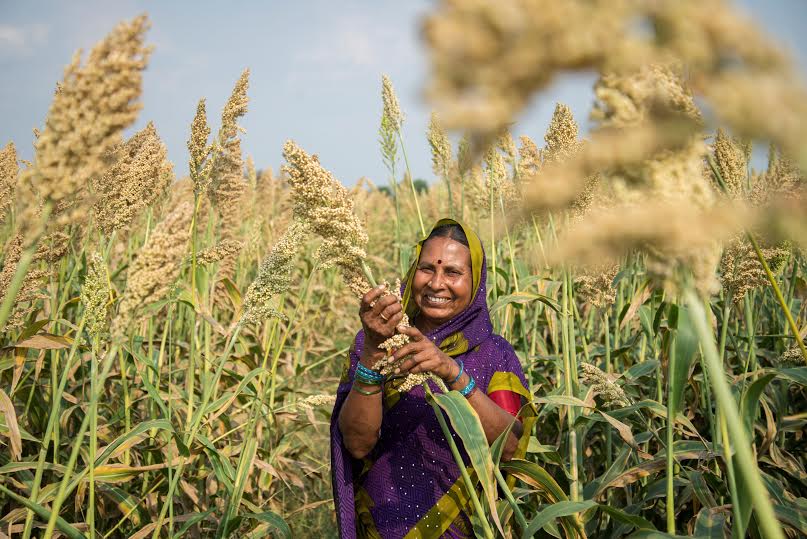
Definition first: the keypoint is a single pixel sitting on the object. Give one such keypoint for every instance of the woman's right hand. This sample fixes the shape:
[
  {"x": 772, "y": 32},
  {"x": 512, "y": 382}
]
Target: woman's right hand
[{"x": 379, "y": 316}]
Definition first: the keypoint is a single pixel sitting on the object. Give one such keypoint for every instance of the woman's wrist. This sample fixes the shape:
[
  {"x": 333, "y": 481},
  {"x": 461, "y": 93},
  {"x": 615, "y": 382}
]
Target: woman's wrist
[
  {"x": 370, "y": 357},
  {"x": 455, "y": 370},
  {"x": 460, "y": 382}
]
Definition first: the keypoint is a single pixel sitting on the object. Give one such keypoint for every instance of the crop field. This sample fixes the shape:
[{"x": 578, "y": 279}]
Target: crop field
[{"x": 173, "y": 334}]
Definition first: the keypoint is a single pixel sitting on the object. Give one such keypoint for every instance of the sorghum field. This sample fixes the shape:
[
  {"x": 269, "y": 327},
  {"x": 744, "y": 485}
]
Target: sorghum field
[{"x": 172, "y": 334}]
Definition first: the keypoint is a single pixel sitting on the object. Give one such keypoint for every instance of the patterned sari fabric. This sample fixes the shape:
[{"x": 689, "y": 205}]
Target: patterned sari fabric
[{"x": 410, "y": 485}]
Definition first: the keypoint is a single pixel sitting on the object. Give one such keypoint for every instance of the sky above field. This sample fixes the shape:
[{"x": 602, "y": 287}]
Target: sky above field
[{"x": 316, "y": 71}]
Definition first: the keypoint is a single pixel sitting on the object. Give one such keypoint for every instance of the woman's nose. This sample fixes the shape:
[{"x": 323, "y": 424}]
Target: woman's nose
[{"x": 436, "y": 282}]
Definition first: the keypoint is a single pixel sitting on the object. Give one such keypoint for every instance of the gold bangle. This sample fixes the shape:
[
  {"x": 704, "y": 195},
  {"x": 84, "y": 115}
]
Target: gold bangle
[{"x": 361, "y": 391}]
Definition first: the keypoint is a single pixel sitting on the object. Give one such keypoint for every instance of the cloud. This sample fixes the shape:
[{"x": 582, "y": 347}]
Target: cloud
[
  {"x": 22, "y": 40},
  {"x": 351, "y": 42}
]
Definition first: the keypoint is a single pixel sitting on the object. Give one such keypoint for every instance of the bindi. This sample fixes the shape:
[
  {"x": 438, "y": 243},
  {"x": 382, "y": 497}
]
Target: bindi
[{"x": 439, "y": 261}]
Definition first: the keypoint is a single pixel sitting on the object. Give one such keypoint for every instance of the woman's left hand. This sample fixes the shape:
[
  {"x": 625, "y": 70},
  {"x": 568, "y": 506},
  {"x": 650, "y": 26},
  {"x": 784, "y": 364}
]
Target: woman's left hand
[{"x": 425, "y": 356}]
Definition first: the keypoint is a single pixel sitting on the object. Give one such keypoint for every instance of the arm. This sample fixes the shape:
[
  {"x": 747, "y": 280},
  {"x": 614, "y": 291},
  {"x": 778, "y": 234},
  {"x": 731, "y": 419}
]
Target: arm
[
  {"x": 360, "y": 416},
  {"x": 494, "y": 419},
  {"x": 427, "y": 357}
]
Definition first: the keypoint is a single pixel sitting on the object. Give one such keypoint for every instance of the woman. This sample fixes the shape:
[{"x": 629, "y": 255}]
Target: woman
[{"x": 393, "y": 472}]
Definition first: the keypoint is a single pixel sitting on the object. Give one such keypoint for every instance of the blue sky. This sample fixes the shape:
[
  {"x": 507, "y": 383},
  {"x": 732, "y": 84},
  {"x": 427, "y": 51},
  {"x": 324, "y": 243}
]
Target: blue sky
[{"x": 316, "y": 71}]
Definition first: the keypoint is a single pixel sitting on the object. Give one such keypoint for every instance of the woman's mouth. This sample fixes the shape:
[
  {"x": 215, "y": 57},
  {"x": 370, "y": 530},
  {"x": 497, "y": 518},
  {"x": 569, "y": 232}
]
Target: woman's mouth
[{"x": 436, "y": 300}]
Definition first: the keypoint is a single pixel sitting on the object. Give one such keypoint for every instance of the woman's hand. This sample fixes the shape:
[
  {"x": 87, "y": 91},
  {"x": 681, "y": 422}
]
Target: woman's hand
[
  {"x": 425, "y": 356},
  {"x": 379, "y": 316}
]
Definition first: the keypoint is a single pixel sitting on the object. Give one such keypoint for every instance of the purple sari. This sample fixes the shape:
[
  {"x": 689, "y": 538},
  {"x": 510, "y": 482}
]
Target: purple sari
[{"x": 409, "y": 485}]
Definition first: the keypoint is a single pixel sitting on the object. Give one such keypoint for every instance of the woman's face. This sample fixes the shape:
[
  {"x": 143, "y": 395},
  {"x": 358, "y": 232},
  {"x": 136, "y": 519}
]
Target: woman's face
[{"x": 443, "y": 282}]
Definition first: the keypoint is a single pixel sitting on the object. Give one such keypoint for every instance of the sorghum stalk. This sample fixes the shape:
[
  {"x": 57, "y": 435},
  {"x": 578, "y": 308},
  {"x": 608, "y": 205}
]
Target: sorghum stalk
[
  {"x": 194, "y": 428},
  {"x": 750, "y": 334},
  {"x": 670, "y": 465},
  {"x": 737, "y": 525},
  {"x": 608, "y": 434},
  {"x": 52, "y": 422},
  {"x": 567, "y": 376},
  {"x": 26, "y": 258},
  {"x": 62, "y": 494},
  {"x": 411, "y": 182},
  {"x": 466, "y": 479},
  {"x": 93, "y": 432},
  {"x": 571, "y": 340},
  {"x": 761, "y": 501},
  {"x": 792, "y": 323}
]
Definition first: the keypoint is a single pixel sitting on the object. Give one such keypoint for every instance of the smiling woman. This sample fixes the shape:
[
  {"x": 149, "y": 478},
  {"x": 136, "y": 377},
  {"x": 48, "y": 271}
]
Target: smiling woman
[
  {"x": 442, "y": 285},
  {"x": 393, "y": 472}
]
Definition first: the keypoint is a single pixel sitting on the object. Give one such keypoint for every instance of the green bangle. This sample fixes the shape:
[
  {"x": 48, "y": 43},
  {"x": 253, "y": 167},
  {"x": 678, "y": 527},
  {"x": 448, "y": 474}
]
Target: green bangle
[{"x": 357, "y": 389}]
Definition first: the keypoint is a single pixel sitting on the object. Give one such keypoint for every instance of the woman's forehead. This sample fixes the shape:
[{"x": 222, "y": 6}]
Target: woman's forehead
[{"x": 446, "y": 250}]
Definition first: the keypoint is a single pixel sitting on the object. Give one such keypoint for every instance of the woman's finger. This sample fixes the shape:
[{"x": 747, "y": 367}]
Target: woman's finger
[
  {"x": 394, "y": 320},
  {"x": 429, "y": 364},
  {"x": 390, "y": 310},
  {"x": 413, "y": 333},
  {"x": 405, "y": 350},
  {"x": 410, "y": 363},
  {"x": 368, "y": 298},
  {"x": 382, "y": 303}
]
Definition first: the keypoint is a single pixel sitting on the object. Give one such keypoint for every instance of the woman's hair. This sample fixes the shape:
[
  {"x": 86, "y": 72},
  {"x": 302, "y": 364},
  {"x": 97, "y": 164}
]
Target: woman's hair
[{"x": 452, "y": 231}]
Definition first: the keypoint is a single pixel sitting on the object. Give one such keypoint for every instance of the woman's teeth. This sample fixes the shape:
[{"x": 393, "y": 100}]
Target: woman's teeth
[{"x": 435, "y": 299}]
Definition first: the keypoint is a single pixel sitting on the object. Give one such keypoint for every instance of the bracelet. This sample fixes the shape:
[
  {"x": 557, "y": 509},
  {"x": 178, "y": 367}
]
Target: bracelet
[
  {"x": 363, "y": 373},
  {"x": 359, "y": 377},
  {"x": 465, "y": 391},
  {"x": 357, "y": 389},
  {"x": 462, "y": 369}
]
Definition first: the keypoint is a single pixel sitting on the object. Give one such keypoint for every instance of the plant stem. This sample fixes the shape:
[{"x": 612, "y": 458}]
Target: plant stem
[
  {"x": 469, "y": 486},
  {"x": 608, "y": 434},
  {"x": 411, "y": 182},
  {"x": 772, "y": 279},
  {"x": 737, "y": 526},
  {"x": 761, "y": 501},
  {"x": 671, "y": 413}
]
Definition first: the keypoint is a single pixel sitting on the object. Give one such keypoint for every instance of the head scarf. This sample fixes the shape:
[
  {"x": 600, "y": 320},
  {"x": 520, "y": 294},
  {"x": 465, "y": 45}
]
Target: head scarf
[{"x": 409, "y": 484}]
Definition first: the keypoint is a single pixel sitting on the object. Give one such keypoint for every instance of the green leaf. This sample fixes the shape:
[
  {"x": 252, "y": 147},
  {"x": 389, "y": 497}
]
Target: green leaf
[
  {"x": 701, "y": 489},
  {"x": 649, "y": 534},
  {"x": 686, "y": 346},
  {"x": 796, "y": 374},
  {"x": 710, "y": 524},
  {"x": 32, "y": 328},
  {"x": 749, "y": 405},
  {"x": 274, "y": 520},
  {"x": 622, "y": 516},
  {"x": 466, "y": 423},
  {"x": 45, "y": 341},
  {"x": 132, "y": 437},
  {"x": 198, "y": 517},
  {"x": 562, "y": 400},
  {"x": 497, "y": 448},
  {"x": 127, "y": 504},
  {"x": 556, "y": 510},
  {"x": 534, "y": 475},
  {"x": 624, "y": 433},
  {"x": 593, "y": 489},
  {"x": 523, "y": 298},
  {"x": 646, "y": 319},
  {"x": 44, "y": 514},
  {"x": 641, "y": 369},
  {"x": 793, "y": 515}
]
